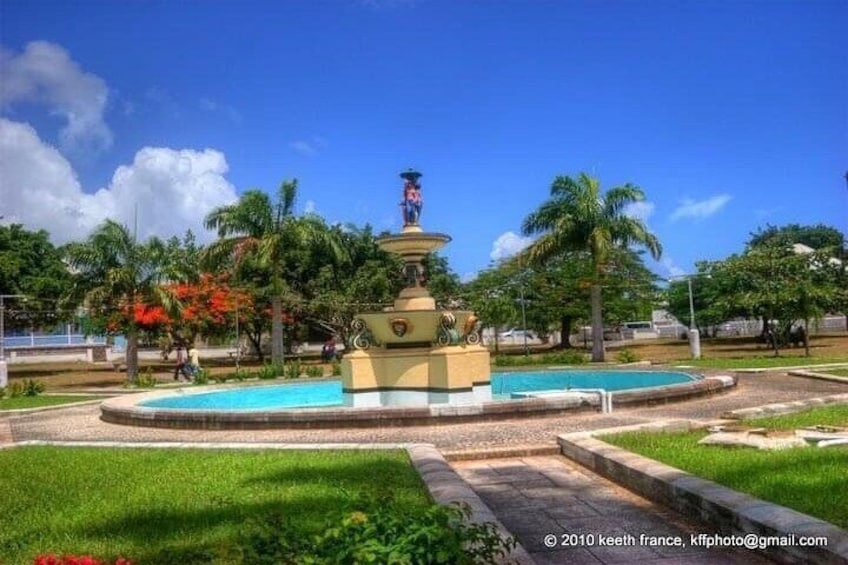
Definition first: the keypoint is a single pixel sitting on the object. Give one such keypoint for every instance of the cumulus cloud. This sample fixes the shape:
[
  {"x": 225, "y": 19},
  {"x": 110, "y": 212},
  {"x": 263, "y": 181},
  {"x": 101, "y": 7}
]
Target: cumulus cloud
[
  {"x": 174, "y": 189},
  {"x": 640, "y": 210},
  {"x": 508, "y": 244},
  {"x": 700, "y": 209},
  {"x": 44, "y": 73}
]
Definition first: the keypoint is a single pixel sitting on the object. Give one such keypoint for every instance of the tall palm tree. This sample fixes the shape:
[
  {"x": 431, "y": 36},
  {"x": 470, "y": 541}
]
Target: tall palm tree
[
  {"x": 577, "y": 217},
  {"x": 113, "y": 273},
  {"x": 270, "y": 232}
]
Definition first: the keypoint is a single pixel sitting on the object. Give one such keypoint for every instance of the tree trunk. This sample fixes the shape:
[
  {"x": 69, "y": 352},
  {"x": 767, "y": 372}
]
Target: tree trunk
[
  {"x": 132, "y": 355},
  {"x": 277, "y": 330},
  {"x": 565, "y": 332},
  {"x": 598, "y": 352},
  {"x": 806, "y": 338}
]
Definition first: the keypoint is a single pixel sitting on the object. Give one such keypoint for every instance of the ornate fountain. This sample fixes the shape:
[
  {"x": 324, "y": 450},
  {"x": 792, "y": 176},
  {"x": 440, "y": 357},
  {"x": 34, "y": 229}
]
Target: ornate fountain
[{"x": 412, "y": 353}]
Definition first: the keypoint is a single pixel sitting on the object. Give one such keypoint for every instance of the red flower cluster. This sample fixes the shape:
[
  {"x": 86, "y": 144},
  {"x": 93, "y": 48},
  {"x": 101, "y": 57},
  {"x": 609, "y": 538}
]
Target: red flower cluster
[{"x": 51, "y": 559}]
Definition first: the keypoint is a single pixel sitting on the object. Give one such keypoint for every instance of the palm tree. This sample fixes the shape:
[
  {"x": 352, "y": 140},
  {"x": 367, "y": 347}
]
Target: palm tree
[
  {"x": 577, "y": 217},
  {"x": 270, "y": 232},
  {"x": 113, "y": 273}
]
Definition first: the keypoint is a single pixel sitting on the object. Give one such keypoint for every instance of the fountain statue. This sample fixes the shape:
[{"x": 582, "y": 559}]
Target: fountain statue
[{"x": 412, "y": 353}]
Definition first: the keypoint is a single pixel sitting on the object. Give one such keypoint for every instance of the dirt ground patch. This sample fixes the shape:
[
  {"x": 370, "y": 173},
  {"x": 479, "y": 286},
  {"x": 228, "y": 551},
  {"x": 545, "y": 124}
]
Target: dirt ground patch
[{"x": 66, "y": 376}]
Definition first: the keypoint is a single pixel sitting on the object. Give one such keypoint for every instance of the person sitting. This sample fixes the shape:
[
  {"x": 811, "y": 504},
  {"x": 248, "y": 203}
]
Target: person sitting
[{"x": 328, "y": 351}]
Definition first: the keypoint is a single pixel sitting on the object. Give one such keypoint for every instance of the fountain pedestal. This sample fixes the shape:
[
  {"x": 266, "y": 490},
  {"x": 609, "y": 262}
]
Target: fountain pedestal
[{"x": 414, "y": 354}]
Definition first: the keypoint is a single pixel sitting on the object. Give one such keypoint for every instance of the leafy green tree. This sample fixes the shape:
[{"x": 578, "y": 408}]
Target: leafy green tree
[
  {"x": 819, "y": 237},
  {"x": 492, "y": 296},
  {"x": 579, "y": 217},
  {"x": 271, "y": 233},
  {"x": 366, "y": 280},
  {"x": 113, "y": 275},
  {"x": 779, "y": 286},
  {"x": 31, "y": 266}
]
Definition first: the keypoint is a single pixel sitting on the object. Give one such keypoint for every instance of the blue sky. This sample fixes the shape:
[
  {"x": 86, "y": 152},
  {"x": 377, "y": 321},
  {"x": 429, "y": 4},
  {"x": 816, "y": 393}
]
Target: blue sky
[{"x": 730, "y": 115}]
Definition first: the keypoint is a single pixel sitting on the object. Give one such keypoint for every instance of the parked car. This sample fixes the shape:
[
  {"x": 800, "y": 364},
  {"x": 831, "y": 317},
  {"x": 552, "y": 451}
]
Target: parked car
[{"x": 516, "y": 333}]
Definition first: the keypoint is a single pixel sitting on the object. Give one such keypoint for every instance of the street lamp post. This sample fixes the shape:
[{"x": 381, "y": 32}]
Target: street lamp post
[
  {"x": 694, "y": 334},
  {"x": 4, "y": 371},
  {"x": 524, "y": 321}
]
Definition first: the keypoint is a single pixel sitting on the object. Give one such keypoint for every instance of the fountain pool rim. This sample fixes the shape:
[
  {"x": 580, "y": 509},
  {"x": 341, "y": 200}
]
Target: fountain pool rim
[{"x": 129, "y": 409}]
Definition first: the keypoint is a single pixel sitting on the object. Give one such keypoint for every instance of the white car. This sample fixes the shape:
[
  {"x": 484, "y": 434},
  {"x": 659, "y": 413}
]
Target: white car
[{"x": 516, "y": 333}]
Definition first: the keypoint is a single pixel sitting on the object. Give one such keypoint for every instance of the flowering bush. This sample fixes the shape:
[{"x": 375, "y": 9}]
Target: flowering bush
[{"x": 51, "y": 559}]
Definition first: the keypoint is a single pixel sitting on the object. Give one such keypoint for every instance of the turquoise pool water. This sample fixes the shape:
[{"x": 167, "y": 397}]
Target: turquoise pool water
[{"x": 329, "y": 393}]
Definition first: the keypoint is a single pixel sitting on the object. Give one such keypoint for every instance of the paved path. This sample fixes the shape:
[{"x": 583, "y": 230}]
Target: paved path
[
  {"x": 83, "y": 423},
  {"x": 538, "y": 496}
]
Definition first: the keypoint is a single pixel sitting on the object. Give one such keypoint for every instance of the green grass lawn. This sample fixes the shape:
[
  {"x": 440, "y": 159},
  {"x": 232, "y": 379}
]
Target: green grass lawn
[
  {"x": 837, "y": 372},
  {"x": 178, "y": 506},
  {"x": 41, "y": 400},
  {"x": 760, "y": 362},
  {"x": 810, "y": 480}
]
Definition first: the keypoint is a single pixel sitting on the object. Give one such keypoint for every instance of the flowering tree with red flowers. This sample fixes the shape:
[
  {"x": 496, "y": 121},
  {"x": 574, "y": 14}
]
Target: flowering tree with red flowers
[{"x": 208, "y": 307}]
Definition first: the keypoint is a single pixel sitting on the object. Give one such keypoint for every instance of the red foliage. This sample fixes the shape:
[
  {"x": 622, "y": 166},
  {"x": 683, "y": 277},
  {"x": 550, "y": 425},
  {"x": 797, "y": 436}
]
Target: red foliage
[{"x": 51, "y": 559}]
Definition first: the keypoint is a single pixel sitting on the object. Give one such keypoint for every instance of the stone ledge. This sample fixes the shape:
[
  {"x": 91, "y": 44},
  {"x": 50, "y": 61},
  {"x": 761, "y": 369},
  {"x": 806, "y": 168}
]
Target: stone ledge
[
  {"x": 728, "y": 511},
  {"x": 785, "y": 407},
  {"x": 446, "y": 487}
]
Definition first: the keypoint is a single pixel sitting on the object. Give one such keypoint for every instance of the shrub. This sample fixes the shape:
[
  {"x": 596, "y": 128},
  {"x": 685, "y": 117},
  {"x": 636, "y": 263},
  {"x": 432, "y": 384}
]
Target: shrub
[
  {"x": 337, "y": 368},
  {"x": 627, "y": 356},
  {"x": 269, "y": 371},
  {"x": 292, "y": 370},
  {"x": 378, "y": 530},
  {"x": 241, "y": 375},
  {"x": 28, "y": 387},
  {"x": 146, "y": 379},
  {"x": 565, "y": 357},
  {"x": 201, "y": 377},
  {"x": 314, "y": 371}
]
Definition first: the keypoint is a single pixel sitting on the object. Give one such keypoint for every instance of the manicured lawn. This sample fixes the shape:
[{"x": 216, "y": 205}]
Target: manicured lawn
[
  {"x": 40, "y": 401},
  {"x": 810, "y": 480},
  {"x": 178, "y": 506},
  {"x": 760, "y": 362},
  {"x": 837, "y": 372}
]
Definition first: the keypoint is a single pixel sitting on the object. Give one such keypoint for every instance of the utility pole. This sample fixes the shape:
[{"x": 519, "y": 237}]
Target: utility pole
[{"x": 4, "y": 371}]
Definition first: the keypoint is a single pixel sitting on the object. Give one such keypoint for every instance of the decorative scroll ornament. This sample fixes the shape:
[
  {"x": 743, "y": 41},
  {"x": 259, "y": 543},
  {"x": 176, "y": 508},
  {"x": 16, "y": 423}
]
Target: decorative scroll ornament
[
  {"x": 472, "y": 330},
  {"x": 400, "y": 326},
  {"x": 362, "y": 337},
  {"x": 447, "y": 334}
]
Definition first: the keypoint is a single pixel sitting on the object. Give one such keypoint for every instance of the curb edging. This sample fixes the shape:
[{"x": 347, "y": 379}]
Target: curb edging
[{"x": 728, "y": 511}]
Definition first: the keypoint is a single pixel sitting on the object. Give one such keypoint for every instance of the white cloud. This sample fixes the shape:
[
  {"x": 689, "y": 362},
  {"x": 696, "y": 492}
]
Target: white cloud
[
  {"x": 672, "y": 269},
  {"x": 45, "y": 73},
  {"x": 640, "y": 210},
  {"x": 210, "y": 105},
  {"x": 700, "y": 209},
  {"x": 508, "y": 244},
  {"x": 308, "y": 147},
  {"x": 174, "y": 189}
]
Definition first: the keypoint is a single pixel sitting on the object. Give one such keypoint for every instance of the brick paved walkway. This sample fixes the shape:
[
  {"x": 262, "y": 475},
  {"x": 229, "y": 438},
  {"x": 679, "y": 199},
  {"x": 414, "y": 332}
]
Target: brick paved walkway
[{"x": 535, "y": 496}]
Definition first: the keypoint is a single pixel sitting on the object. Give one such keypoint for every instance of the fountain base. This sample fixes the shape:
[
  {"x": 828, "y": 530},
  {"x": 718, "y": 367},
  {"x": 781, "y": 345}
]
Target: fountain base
[{"x": 417, "y": 376}]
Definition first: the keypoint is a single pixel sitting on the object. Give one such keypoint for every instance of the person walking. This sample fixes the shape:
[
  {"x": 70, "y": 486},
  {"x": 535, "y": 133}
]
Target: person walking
[{"x": 180, "y": 367}]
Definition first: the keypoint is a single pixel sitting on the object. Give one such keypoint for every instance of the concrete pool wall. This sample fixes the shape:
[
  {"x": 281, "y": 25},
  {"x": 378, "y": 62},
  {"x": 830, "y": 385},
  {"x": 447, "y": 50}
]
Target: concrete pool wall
[{"x": 127, "y": 410}]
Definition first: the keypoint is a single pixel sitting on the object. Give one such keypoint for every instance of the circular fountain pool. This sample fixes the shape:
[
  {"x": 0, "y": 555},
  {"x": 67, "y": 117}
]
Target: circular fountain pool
[{"x": 320, "y": 404}]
